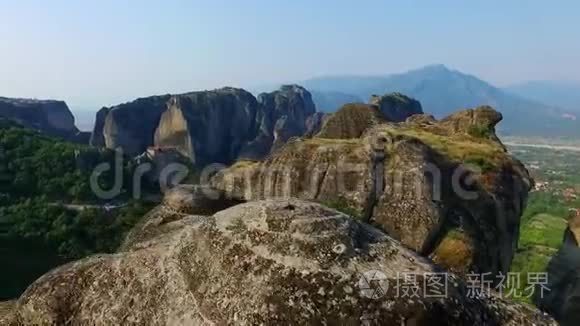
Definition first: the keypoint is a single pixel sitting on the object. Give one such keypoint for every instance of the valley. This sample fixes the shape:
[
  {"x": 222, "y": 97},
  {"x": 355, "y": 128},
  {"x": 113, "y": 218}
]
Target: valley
[{"x": 554, "y": 200}]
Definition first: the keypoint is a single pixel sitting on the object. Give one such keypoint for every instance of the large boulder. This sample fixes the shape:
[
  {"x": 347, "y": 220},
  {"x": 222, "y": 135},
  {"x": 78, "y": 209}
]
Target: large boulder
[
  {"x": 274, "y": 262},
  {"x": 6, "y": 312},
  {"x": 396, "y": 107},
  {"x": 563, "y": 299},
  {"x": 351, "y": 121},
  {"x": 48, "y": 116},
  {"x": 419, "y": 186}
]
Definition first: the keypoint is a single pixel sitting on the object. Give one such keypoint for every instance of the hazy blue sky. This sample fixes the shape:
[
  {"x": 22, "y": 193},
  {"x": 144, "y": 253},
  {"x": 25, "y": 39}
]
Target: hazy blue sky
[{"x": 95, "y": 53}]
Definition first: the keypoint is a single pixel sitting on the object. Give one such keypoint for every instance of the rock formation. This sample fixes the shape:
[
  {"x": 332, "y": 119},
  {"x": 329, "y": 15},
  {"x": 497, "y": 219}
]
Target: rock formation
[
  {"x": 283, "y": 114},
  {"x": 97, "y": 136},
  {"x": 314, "y": 123},
  {"x": 396, "y": 107},
  {"x": 274, "y": 262},
  {"x": 351, "y": 121},
  {"x": 209, "y": 126},
  {"x": 48, "y": 116},
  {"x": 164, "y": 163},
  {"x": 216, "y": 126},
  {"x": 563, "y": 299},
  {"x": 129, "y": 126},
  {"x": 419, "y": 182}
]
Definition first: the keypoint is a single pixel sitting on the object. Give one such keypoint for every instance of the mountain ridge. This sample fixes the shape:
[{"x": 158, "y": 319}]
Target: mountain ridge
[{"x": 443, "y": 90}]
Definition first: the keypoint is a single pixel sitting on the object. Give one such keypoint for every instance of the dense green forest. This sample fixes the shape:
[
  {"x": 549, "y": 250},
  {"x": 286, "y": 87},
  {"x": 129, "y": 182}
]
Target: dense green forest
[
  {"x": 39, "y": 176},
  {"x": 32, "y": 165}
]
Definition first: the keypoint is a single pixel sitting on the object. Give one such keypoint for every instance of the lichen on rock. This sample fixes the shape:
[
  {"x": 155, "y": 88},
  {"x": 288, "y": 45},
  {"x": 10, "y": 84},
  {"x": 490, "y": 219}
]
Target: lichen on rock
[{"x": 262, "y": 263}]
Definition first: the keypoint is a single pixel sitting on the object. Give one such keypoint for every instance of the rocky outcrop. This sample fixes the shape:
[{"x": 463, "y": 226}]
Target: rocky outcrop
[
  {"x": 291, "y": 101},
  {"x": 283, "y": 114},
  {"x": 563, "y": 298},
  {"x": 97, "y": 136},
  {"x": 314, "y": 123},
  {"x": 163, "y": 166},
  {"x": 420, "y": 184},
  {"x": 275, "y": 262},
  {"x": 351, "y": 121},
  {"x": 48, "y": 116},
  {"x": 396, "y": 107},
  {"x": 6, "y": 312},
  {"x": 217, "y": 126},
  {"x": 130, "y": 126},
  {"x": 209, "y": 126}
]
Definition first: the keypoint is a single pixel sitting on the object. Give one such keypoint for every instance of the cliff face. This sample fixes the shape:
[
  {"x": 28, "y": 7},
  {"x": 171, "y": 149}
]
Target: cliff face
[
  {"x": 130, "y": 126},
  {"x": 396, "y": 107},
  {"x": 216, "y": 126},
  {"x": 97, "y": 136},
  {"x": 563, "y": 299},
  {"x": 209, "y": 126},
  {"x": 421, "y": 183},
  {"x": 282, "y": 114},
  {"x": 274, "y": 262},
  {"x": 51, "y": 117}
]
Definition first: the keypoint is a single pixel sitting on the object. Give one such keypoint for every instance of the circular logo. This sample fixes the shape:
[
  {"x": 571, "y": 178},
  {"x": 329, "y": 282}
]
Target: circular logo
[{"x": 373, "y": 284}]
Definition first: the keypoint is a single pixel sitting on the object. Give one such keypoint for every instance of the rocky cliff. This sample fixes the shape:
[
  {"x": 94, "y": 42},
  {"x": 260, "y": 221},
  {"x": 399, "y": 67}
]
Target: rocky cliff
[
  {"x": 421, "y": 181},
  {"x": 283, "y": 114},
  {"x": 97, "y": 138},
  {"x": 273, "y": 262},
  {"x": 351, "y": 121},
  {"x": 209, "y": 126},
  {"x": 563, "y": 299},
  {"x": 396, "y": 107},
  {"x": 129, "y": 126},
  {"x": 217, "y": 126},
  {"x": 48, "y": 116}
]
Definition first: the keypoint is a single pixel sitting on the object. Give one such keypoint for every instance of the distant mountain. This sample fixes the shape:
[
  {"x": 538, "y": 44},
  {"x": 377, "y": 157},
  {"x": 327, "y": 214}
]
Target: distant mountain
[
  {"x": 565, "y": 94},
  {"x": 330, "y": 101},
  {"x": 443, "y": 91}
]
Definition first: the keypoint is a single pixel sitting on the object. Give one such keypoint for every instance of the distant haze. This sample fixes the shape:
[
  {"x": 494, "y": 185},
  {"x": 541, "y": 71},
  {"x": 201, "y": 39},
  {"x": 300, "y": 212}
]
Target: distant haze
[{"x": 94, "y": 54}]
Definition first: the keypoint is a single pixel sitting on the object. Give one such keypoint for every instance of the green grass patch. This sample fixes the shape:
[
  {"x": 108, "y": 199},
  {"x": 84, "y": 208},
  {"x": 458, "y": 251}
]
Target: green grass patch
[
  {"x": 540, "y": 238},
  {"x": 342, "y": 205},
  {"x": 543, "y": 230},
  {"x": 478, "y": 131},
  {"x": 533, "y": 259},
  {"x": 484, "y": 153}
]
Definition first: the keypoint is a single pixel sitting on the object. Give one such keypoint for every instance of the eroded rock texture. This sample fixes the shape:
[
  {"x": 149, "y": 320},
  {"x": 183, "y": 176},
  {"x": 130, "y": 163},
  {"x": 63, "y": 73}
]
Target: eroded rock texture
[
  {"x": 351, "y": 121},
  {"x": 217, "y": 126},
  {"x": 131, "y": 126},
  {"x": 418, "y": 182},
  {"x": 48, "y": 116},
  {"x": 396, "y": 107},
  {"x": 209, "y": 126},
  {"x": 283, "y": 114},
  {"x": 274, "y": 262}
]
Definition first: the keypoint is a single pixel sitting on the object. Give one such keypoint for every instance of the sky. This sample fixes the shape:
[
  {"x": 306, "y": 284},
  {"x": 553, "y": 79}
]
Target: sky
[{"x": 101, "y": 53}]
